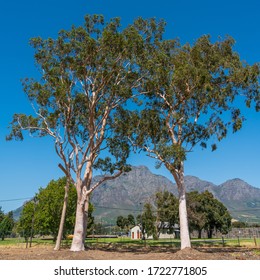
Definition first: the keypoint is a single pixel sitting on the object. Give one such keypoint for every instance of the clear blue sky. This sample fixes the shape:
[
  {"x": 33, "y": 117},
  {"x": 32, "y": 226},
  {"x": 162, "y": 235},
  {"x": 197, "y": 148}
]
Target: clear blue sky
[{"x": 27, "y": 165}]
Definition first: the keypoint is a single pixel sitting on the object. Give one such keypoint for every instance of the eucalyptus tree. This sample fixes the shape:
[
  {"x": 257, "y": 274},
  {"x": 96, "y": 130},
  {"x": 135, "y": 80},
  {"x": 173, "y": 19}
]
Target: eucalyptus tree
[
  {"x": 191, "y": 101},
  {"x": 87, "y": 73}
]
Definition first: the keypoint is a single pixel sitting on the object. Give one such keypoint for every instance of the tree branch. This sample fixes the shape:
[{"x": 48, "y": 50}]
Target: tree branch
[{"x": 106, "y": 178}]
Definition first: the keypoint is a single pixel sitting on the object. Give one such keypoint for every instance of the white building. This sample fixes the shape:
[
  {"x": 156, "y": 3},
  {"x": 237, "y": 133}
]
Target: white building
[{"x": 135, "y": 232}]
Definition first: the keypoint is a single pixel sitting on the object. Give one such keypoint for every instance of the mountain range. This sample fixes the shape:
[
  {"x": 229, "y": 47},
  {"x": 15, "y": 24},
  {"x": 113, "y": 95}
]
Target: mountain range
[{"x": 128, "y": 193}]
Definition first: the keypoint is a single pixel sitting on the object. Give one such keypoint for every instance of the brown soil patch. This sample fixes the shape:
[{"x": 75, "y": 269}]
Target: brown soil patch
[{"x": 47, "y": 253}]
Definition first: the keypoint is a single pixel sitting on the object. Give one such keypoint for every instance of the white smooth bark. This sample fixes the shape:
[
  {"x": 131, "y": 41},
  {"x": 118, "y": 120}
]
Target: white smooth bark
[
  {"x": 183, "y": 216},
  {"x": 78, "y": 242},
  {"x": 184, "y": 227}
]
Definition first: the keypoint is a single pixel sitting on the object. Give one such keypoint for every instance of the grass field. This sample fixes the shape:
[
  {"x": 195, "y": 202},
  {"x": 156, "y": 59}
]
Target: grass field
[
  {"x": 124, "y": 241},
  {"x": 176, "y": 242}
]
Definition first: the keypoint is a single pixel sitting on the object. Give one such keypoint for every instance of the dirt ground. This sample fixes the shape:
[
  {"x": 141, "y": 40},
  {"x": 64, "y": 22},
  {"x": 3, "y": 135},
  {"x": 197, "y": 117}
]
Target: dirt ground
[{"x": 47, "y": 253}]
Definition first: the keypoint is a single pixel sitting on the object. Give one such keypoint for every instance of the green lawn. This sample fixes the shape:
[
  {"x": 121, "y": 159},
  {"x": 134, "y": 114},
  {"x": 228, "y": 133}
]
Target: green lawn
[
  {"x": 21, "y": 242},
  {"x": 176, "y": 242},
  {"x": 124, "y": 241}
]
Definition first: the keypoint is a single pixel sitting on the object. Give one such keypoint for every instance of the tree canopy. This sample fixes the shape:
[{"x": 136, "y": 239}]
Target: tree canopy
[
  {"x": 167, "y": 210},
  {"x": 147, "y": 221},
  {"x": 42, "y": 214},
  {"x": 207, "y": 213},
  {"x": 49, "y": 202}
]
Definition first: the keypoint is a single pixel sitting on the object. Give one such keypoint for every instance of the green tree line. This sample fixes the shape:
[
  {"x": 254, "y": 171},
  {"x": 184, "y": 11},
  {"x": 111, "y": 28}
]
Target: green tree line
[
  {"x": 205, "y": 213},
  {"x": 41, "y": 215},
  {"x": 6, "y": 224}
]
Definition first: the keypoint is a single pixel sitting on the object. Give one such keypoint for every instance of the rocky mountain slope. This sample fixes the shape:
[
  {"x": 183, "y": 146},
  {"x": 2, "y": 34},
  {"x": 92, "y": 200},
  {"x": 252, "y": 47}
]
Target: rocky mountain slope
[{"x": 130, "y": 191}]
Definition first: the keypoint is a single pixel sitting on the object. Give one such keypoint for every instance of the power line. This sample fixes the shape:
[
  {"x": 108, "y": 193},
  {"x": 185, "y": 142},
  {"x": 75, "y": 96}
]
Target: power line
[{"x": 15, "y": 199}]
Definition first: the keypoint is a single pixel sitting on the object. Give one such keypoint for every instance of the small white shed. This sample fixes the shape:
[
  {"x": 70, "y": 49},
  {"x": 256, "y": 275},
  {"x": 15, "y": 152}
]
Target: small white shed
[{"x": 136, "y": 232}]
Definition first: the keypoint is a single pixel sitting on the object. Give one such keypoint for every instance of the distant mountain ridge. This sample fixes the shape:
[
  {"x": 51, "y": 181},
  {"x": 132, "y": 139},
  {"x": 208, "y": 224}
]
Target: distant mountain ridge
[
  {"x": 128, "y": 193},
  {"x": 131, "y": 190}
]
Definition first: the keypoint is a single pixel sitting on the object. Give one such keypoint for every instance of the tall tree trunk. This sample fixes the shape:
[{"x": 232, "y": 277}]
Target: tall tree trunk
[
  {"x": 184, "y": 228},
  {"x": 80, "y": 229},
  {"x": 183, "y": 216},
  {"x": 78, "y": 242},
  {"x": 63, "y": 216},
  {"x": 199, "y": 233}
]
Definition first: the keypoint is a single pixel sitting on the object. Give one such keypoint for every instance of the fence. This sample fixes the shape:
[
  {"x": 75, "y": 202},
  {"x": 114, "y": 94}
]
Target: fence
[{"x": 233, "y": 233}]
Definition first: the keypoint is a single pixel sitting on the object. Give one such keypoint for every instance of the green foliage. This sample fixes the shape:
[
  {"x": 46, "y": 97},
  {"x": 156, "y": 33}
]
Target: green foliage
[
  {"x": 88, "y": 72},
  {"x": 125, "y": 223},
  {"x": 1, "y": 214},
  {"x": 49, "y": 208},
  {"x": 190, "y": 97},
  {"x": 98, "y": 228},
  {"x": 42, "y": 215},
  {"x": 147, "y": 221},
  {"x": 238, "y": 224},
  {"x": 196, "y": 212},
  {"x": 6, "y": 225},
  {"x": 26, "y": 220},
  {"x": 206, "y": 212},
  {"x": 131, "y": 220},
  {"x": 167, "y": 210},
  {"x": 120, "y": 222},
  {"x": 91, "y": 220}
]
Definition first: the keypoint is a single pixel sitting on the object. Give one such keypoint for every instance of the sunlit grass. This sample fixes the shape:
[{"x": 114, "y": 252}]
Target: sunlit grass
[
  {"x": 20, "y": 242},
  {"x": 176, "y": 242},
  {"x": 125, "y": 241}
]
